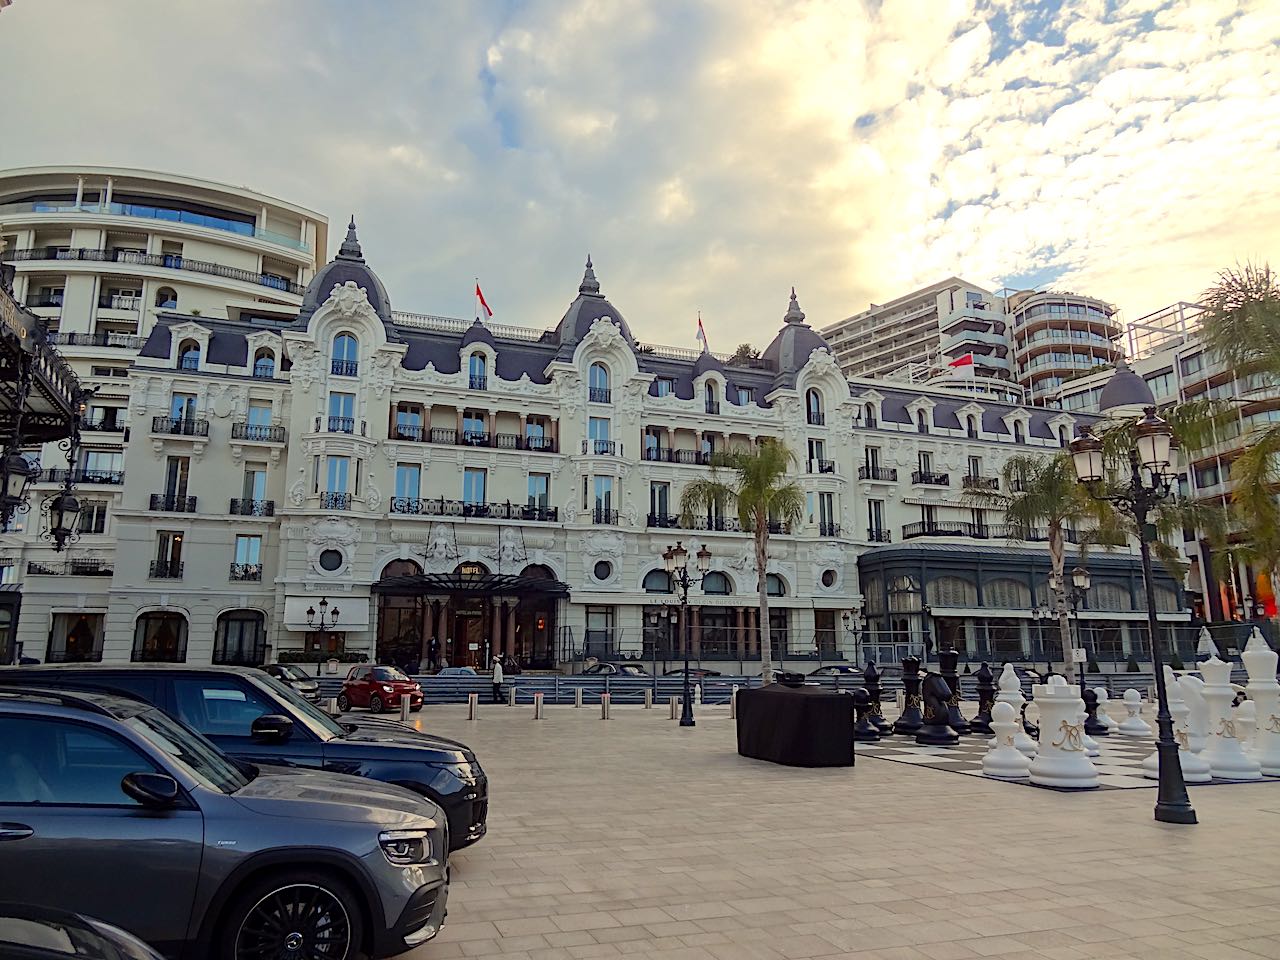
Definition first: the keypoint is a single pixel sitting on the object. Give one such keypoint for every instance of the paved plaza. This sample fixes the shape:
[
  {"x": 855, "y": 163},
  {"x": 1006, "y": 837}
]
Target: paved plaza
[{"x": 635, "y": 837}]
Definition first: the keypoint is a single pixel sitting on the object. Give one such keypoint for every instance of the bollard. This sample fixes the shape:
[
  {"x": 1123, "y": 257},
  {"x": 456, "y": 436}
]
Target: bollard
[
  {"x": 697, "y": 694},
  {"x": 404, "y": 707},
  {"x": 511, "y": 695},
  {"x": 648, "y": 699},
  {"x": 604, "y": 706},
  {"x": 675, "y": 707},
  {"x": 473, "y": 702},
  {"x": 333, "y": 707},
  {"x": 733, "y": 703},
  {"x": 537, "y": 705},
  {"x": 577, "y": 696}
]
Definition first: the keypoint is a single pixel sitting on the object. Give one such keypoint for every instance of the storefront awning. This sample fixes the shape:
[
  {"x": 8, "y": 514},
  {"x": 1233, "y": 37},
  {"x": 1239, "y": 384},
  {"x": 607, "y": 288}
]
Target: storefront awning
[{"x": 470, "y": 584}]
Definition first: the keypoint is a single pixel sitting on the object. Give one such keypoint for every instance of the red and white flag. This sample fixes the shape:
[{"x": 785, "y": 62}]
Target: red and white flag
[
  {"x": 702, "y": 334},
  {"x": 963, "y": 365},
  {"x": 482, "y": 301}
]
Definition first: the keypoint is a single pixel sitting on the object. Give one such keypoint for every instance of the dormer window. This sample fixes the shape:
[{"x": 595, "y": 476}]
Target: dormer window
[
  {"x": 346, "y": 355},
  {"x": 971, "y": 428},
  {"x": 167, "y": 298},
  {"x": 869, "y": 414},
  {"x": 264, "y": 364},
  {"x": 813, "y": 406},
  {"x": 598, "y": 384},
  {"x": 1062, "y": 436},
  {"x": 478, "y": 371},
  {"x": 922, "y": 422},
  {"x": 1019, "y": 435},
  {"x": 189, "y": 355},
  {"x": 712, "y": 397}
]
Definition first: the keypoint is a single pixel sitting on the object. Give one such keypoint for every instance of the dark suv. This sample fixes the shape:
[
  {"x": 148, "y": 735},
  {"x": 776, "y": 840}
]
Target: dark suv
[
  {"x": 111, "y": 808},
  {"x": 252, "y": 716}
]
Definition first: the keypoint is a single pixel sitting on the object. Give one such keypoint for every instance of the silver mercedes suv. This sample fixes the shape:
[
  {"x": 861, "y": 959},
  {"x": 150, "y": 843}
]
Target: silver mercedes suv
[{"x": 108, "y": 807}]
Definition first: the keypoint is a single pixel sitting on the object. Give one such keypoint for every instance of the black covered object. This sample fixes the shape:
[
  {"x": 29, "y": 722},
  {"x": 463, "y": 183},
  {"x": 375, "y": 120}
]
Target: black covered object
[
  {"x": 864, "y": 731},
  {"x": 796, "y": 726},
  {"x": 871, "y": 677},
  {"x": 910, "y": 720},
  {"x": 1092, "y": 725},
  {"x": 981, "y": 722},
  {"x": 935, "y": 732},
  {"x": 947, "y": 660}
]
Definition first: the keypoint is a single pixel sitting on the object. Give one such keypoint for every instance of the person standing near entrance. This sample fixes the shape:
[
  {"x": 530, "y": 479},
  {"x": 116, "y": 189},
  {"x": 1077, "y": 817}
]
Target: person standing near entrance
[
  {"x": 497, "y": 679},
  {"x": 433, "y": 654}
]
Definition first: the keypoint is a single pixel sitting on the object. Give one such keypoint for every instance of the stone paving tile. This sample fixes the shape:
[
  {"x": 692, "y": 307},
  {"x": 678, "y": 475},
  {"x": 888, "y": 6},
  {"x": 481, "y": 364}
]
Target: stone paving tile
[{"x": 636, "y": 838}]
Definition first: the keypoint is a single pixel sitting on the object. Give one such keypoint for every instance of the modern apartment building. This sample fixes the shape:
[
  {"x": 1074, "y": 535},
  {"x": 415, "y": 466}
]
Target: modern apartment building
[
  {"x": 406, "y": 476},
  {"x": 1058, "y": 336}
]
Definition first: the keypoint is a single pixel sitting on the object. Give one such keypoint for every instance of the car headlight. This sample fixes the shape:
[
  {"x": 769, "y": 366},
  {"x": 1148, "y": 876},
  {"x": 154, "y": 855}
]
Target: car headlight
[
  {"x": 404, "y": 847},
  {"x": 386, "y": 689}
]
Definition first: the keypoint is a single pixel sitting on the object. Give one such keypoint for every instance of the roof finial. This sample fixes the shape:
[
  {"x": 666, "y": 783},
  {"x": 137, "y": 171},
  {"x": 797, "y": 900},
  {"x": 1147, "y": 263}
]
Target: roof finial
[
  {"x": 350, "y": 249},
  {"x": 590, "y": 286},
  {"x": 794, "y": 314}
]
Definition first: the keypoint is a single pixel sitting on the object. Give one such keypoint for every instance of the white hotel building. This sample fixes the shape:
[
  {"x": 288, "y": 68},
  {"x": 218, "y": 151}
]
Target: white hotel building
[{"x": 513, "y": 489}]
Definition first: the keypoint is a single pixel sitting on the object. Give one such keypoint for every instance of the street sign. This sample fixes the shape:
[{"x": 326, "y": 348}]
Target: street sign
[{"x": 1077, "y": 655}]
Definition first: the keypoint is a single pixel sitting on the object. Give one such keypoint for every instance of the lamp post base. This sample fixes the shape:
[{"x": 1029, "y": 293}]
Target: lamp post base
[{"x": 1172, "y": 803}]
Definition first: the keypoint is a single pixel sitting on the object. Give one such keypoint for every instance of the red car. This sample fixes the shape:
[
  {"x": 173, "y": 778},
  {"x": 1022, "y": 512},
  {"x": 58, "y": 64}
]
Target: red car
[{"x": 379, "y": 689}]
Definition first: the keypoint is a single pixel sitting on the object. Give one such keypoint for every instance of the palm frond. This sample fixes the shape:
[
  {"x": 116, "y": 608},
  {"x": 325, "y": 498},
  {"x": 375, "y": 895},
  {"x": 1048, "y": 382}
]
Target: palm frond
[{"x": 1241, "y": 322}]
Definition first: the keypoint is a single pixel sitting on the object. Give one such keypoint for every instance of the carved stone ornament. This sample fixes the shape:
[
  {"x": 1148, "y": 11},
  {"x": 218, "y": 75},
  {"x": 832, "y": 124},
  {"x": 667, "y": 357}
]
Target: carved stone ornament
[
  {"x": 222, "y": 403},
  {"x": 307, "y": 368},
  {"x": 440, "y": 555},
  {"x": 602, "y": 543},
  {"x": 298, "y": 489},
  {"x": 372, "y": 495},
  {"x": 332, "y": 532},
  {"x": 828, "y": 552},
  {"x": 383, "y": 376},
  {"x": 349, "y": 301},
  {"x": 744, "y": 561},
  {"x": 510, "y": 553}
]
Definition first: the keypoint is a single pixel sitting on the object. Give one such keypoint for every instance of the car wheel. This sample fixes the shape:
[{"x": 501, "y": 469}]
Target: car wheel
[
  {"x": 300, "y": 913},
  {"x": 417, "y": 709},
  {"x": 375, "y": 704},
  {"x": 344, "y": 704}
]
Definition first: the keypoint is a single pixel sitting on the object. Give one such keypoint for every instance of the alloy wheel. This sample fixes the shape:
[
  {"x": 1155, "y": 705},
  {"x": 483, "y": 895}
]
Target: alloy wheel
[{"x": 297, "y": 922}]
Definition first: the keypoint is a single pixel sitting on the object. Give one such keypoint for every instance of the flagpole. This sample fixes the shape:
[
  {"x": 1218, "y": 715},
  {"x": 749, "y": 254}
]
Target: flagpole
[{"x": 475, "y": 296}]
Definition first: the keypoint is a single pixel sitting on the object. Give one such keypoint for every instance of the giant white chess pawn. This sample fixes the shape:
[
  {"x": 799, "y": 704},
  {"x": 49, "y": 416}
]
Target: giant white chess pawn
[
  {"x": 1260, "y": 660},
  {"x": 1062, "y": 760},
  {"x": 1192, "y": 731},
  {"x": 1195, "y": 769},
  {"x": 1003, "y": 760},
  {"x": 1104, "y": 717},
  {"x": 1225, "y": 753},
  {"x": 1011, "y": 693},
  {"x": 1247, "y": 726},
  {"x": 1133, "y": 725}
]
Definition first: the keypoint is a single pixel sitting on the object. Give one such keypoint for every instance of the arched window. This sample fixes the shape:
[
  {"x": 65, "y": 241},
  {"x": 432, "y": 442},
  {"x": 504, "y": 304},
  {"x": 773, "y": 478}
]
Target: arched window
[
  {"x": 167, "y": 298},
  {"x": 870, "y": 414},
  {"x": 402, "y": 568},
  {"x": 1062, "y": 436},
  {"x": 813, "y": 406},
  {"x": 922, "y": 424},
  {"x": 953, "y": 592},
  {"x": 346, "y": 355},
  {"x": 478, "y": 371},
  {"x": 598, "y": 383},
  {"x": 189, "y": 355},
  {"x": 264, "y": 363},
  {"x": 774, "y": 585},
  {"x": 1019, "y": 435},
  {"x": 971, "y": 428},
  {"x": 711, "y": 396},
  {"x": 657, "y": 581},
  {"x": 716, "y": 584},
  {"x": 1007, "y": 594},
  {"x": 241, "y": 638},
  {"x": 160, "y": 637}
]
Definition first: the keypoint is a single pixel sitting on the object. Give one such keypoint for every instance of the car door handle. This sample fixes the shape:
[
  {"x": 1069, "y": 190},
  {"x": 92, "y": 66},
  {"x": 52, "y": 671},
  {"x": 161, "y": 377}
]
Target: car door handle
[{"x": 15, "y": 831}]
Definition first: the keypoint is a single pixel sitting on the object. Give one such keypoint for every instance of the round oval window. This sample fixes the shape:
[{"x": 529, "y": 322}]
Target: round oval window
[
  {"x": 603, "y": 569},
  {"x": 330, "y": 560},
  {"x": 828, "y": 578}
]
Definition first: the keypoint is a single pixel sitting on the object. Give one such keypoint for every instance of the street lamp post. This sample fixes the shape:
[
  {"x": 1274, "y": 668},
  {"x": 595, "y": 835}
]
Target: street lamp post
[
  {"x": 326, "y": 619},
  {"x": 1149, "y": 483},
  {"x": 1079, "y": 590},
  {"x": 677, "y": 561},
  {"x": 854, "y": 623}
]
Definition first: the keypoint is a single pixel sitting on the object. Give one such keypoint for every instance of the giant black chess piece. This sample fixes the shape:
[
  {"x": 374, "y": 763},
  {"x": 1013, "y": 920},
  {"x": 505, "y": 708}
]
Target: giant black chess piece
[
  {"x": 981, "y": 722},
  {"x": 871, "y": 677},
  {"x": 911, "y": 719},
  {"x": 864, "y": 731},
  {"x": 1092, "y": 725},
  {"x": 947, "y": 660},
  {"x": 936, "y": 731}
]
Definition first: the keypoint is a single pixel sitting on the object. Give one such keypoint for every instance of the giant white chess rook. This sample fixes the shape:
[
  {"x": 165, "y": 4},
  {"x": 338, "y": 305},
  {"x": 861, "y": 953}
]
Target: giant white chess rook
[
  {"x": 1191, "y": 726},
  {"x": 1062, "y": 760},
  {"x": 1225, "y": 752},
  {"x": 1260, "y": 660}
]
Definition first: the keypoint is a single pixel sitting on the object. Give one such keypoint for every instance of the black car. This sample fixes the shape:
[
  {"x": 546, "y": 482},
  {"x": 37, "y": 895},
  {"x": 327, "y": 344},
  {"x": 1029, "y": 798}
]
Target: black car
[
  {"x": 256, "y": 718},
  {"x": 38, "y": 933},
  {"x": 294, "y": 676},
  {"x": 602, "y": 669},
  {"x": 695, "y": 673}
]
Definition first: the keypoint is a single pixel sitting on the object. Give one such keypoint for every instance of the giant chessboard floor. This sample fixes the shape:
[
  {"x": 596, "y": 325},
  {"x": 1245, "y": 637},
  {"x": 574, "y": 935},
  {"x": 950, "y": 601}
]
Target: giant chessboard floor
[{"x": 1119, "y": 765}]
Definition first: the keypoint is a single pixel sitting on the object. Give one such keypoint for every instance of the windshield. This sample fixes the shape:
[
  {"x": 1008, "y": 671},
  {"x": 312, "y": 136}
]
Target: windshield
[
  {"x": 320, "y": 723},
  {"x": 197, "y": 756},
  {"x": 294, "y": 673},
  {"x": 388, "y": 674}
]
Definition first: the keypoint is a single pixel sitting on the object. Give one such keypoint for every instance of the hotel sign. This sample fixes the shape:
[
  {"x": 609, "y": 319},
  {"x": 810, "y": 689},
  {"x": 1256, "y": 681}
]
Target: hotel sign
[{"x": 17, "y": 321}]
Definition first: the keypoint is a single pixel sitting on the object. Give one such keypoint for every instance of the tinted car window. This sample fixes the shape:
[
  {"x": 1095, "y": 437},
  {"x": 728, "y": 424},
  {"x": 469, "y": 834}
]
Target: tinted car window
[
  {"x": 218, "y": 707},
  {"x": 388, "y": 674},
  {"x": 200, "y": 758},
  {"x": 55, "y": 761},
  {"x": 324, "y": 725}
]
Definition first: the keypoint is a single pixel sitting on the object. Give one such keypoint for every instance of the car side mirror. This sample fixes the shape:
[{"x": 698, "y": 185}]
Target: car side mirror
[
  {"x": 156, "y": 790},
  {"x": 271, "y": 728}
]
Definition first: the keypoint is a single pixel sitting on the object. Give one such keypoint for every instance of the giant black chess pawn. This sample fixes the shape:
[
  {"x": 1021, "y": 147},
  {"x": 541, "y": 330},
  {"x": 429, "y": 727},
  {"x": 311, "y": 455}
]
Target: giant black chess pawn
[
  {"x": 981, "y": 722},
  {"x": 936, "y": 731},
  {"x": 911, "y": 718},
  {"x": 947, "y": 660},
  {"x": 871, "y": 677},
  {"x": 864, "y": 731},
  {"x": 1092, "y": 725}
]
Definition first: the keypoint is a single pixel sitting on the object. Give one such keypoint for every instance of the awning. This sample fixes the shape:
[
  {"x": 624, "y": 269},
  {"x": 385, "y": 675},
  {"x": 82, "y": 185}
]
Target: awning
[
  {"x": 470, "y": 584},
  {"x": 353, "y": 612}
]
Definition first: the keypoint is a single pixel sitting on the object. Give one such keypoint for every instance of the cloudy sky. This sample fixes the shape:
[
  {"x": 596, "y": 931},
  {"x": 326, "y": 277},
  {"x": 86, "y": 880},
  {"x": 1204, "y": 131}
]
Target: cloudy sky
[{"x": 708, "y": 154}]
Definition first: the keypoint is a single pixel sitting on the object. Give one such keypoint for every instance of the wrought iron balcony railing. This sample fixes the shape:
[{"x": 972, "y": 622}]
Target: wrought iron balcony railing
[
  {"x": 412, "y": 506},
  {"x": 252, "y": 508},
  {"x": 928, "y": 478},
  {"x": 335, "y": 501},
  {"x": 259, "y": 432},
  {"x": 980, "y": 483},
  {"x": 246, "y": 571},
  {"x": 166, "y": 569},
  {"x": 889, "y": 474},
  {"x": 180, "y": 426},
  {"x": 171, "y": 503},
  {"x": 344, "y": 368}
]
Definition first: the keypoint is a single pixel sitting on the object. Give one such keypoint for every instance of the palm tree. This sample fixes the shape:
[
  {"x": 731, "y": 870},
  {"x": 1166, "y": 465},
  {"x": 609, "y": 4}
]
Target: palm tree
[{"x": 758, "y": 487}]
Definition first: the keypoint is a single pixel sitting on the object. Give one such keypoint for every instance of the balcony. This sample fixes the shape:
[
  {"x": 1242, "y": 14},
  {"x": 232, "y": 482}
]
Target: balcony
[
  {"x": 73, "y": 656},
  {"x": 828, "y": 529},
  {"x": 252, "y": 508},
  {"x": 409, "y": 506},
  {"x": 340, "y": 425},
  {"x": 170, "y": 503},
  {"x": 165, "y": 260},
  {"x": 671, "y": 455},
  {"x": 929, "y": 479},
  {"x": 599, "y": 395},
  {"x": 877, "y": 535},
  {"x": 264, "y": 370},
  {"x": 666, "y": 521},
  {"x": 817, "y": 419},
  {"x": 102, "y": 425},
  {"x": 180, "y": 426},
  {"x": 335, "y": 501},
  {"x": 408, "y": 431},
  {"x": 166, "y": 569},
  {"x": 246, "y": 571},
  {"x": 980, "y": 483},
  {"x": 258, "y": 432},
  {"x": 475, "y": 438},
  {"x": 713, "y": 406},
  {"x": 604, "y": 517},
  {"x": 344, "y": 368},
  {"x": 109, "y": 477},
  {"x": 108, "y": 302},
  {"x": 42, "y": 300},
  {"x": 983, "y": 531},
  {"x": 478, "y": 383},
  {"x": 71, "y": 568},
  {"x": 883, "y": 474},
  {"x": 122, "y": 341},
  {"x": 822, "y": 466},
  {"x": 542, "y": 444},
  {"x": 471, "y": 438},
  {"x": 602, "y": 448}
]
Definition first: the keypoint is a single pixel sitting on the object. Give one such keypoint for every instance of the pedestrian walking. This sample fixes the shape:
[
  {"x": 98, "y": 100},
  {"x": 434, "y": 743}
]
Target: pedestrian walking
[{"x": 497, "y": 679}]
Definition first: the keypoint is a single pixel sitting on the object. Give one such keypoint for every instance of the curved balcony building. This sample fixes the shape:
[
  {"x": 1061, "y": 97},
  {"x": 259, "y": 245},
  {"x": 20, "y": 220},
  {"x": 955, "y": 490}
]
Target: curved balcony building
[{"x": 1060, "y": 336}]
